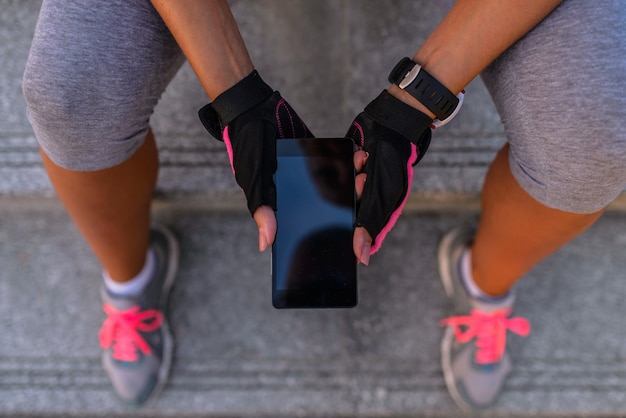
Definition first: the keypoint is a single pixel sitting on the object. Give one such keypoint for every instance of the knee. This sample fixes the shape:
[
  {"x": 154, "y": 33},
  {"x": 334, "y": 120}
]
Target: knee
[
  {"x": 581, "y": 176},
  {"x": 602, "y": 173},
  {"x": 51, "y": 100},
  {"x": 70, "y": 119}
]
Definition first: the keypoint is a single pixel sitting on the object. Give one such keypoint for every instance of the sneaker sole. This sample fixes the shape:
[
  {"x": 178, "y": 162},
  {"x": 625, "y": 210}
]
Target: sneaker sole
[
  {"x": 445, "y": 273},
  {"x": 448, "y": 376},
  {"x": 168, "y": 284}
]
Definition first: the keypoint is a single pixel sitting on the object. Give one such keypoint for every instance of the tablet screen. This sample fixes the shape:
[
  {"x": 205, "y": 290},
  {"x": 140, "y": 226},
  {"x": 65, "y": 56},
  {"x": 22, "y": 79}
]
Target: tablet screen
[{"x": 313, "y": 263}]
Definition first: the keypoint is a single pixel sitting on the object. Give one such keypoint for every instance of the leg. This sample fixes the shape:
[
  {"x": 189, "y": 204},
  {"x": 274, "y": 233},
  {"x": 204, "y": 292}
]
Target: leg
[
  {"x": 92, "y": 121},
  {"x": 111, "y": 207},
  {"x": 93, "y": 77},
  {"x": 565, "y": 161},
  {"x": 564, "y": 164},
  {"x": 516, "y": 231}
]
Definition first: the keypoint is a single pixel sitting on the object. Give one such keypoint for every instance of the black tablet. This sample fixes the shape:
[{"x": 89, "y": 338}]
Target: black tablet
[{"x": 313, "y": 263}]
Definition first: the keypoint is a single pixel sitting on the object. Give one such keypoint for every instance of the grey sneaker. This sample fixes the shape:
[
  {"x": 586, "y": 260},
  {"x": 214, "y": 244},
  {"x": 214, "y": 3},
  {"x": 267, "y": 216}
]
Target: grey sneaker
[
  {"x": 137, "y": 342},
  {"x": 474, "y": 359}
]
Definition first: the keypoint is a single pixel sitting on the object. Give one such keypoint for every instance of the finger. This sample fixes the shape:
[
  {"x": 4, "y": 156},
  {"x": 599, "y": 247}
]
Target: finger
[
  {"x": 266, "y": 222},
  {"x": 254, "y": 159},
  {"x": 360, "y": 158},
  {"x": 359, "y": 184},
  {"x": 361, "y": 244}
]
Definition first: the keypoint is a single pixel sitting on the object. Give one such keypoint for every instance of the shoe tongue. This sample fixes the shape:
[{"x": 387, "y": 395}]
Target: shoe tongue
[
  {"x": 120, "y": 303},
  {"x": 503, "y": 302}
]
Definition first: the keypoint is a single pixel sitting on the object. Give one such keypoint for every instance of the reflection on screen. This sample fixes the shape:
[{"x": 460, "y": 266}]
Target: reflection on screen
[{"x": 315, "y": 200}]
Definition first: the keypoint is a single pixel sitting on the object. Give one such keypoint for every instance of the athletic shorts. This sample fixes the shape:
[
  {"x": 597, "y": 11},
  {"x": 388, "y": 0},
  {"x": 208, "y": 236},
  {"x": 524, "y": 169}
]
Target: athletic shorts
[
  {"x": 560, "y": 92},
  {"x": 97, "y": 69},
  {"x": 95, "y": 72}
]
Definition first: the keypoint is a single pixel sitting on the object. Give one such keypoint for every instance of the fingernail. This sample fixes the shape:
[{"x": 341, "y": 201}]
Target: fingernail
[
  {"x": 365, "y": 254},
  {"x": 262, "y": 241}
]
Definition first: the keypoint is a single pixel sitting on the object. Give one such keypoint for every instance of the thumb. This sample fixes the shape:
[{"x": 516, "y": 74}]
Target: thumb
[
  {"x": 266, "y": 222},
  {"x": 361, "y": 243}
]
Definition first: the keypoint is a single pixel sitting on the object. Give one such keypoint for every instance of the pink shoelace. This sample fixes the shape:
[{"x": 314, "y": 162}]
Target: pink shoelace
[
  {"x": 121, "y": 331},
  {"x": 489, "y": 329}
]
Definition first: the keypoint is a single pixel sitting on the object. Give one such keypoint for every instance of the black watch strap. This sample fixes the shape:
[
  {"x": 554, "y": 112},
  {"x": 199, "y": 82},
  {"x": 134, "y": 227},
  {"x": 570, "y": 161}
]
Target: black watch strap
[{"x": 412, "y": 78}]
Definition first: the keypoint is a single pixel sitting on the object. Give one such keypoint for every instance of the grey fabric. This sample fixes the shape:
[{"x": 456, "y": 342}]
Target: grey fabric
[
  {"x": 95, "y": 72},
  {"x": 560, "y": 94}
]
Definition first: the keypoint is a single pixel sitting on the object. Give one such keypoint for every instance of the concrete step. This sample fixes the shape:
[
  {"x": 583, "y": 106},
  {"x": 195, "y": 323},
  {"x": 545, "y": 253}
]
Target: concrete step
[
  {"x": 322, "y": 85},
  {"x": 237, "y": 356}
]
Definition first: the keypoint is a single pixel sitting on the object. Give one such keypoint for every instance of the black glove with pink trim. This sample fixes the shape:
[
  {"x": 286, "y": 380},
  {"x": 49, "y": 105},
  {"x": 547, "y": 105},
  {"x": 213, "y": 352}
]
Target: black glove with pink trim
[
  {"x": 249, "y": 117},
  {"x": 396, "y": 136}
]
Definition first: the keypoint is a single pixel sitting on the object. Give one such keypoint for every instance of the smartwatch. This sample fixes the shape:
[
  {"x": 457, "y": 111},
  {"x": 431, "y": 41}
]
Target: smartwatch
[{"x": 413, "y": 79}]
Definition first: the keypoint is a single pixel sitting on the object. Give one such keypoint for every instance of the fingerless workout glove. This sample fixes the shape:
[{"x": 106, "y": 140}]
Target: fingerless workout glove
[
  {"x": 249, "y": 117},
  {"x": 396, "y": 136}
]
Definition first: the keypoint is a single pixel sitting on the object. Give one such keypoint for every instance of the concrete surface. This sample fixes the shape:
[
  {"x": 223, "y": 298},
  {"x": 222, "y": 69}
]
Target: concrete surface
[{"x": 238, "y": 357}]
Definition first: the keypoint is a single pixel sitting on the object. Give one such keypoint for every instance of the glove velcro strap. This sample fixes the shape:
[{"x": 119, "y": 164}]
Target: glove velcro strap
[
  {"x": 238, "y": 99},
  {"x": 398, "y": 116},
  {"x": 241, "y": 97}
]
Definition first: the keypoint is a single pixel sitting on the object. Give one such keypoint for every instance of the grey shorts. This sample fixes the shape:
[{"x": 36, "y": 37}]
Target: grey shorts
[
  {"x": 95, "y": 72},
  {"x": 97, "y": 69},
  {"x": 560, "y": 92}
]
